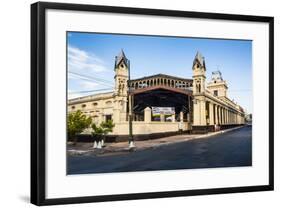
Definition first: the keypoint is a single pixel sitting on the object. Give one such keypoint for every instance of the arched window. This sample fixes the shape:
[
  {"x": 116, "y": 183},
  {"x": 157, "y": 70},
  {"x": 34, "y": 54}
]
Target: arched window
[
  {"x": 95, "y": 104},
  {"x": 108, "y": 103},
  {"x": 84, "y": 105}
]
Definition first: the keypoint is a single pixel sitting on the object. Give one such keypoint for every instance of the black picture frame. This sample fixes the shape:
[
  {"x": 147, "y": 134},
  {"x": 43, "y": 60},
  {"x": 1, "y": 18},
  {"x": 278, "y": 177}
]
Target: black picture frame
[{"x": 38, "y": 102}]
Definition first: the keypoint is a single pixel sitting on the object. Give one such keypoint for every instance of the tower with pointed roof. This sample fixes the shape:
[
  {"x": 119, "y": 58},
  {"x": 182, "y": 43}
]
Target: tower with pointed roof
[
  {"x": 199, "y": 74},
  {"x": 199, "y": 78},
  {"x": 121, "y": 68}
]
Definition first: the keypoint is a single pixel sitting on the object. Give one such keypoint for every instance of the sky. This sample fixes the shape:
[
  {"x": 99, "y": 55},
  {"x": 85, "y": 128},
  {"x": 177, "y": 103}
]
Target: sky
[{"x": 90, "y": 61}]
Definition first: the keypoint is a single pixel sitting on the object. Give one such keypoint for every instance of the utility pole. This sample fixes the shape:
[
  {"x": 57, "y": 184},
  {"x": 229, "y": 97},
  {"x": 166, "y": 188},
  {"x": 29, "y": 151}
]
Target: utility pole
[{"x": 131, "y": 138}]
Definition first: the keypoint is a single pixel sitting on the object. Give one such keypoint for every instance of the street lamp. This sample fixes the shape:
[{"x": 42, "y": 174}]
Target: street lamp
[{"x": 131, "y": 138}]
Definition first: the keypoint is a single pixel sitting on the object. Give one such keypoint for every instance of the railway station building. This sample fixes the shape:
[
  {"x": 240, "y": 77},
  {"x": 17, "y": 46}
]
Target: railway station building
[{"x": 162, "y": 104}]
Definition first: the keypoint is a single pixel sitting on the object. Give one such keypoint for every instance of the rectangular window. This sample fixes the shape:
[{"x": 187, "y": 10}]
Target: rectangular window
[
  {"x": 215, "y": 93},
  {"x": 108, "y": 117}
]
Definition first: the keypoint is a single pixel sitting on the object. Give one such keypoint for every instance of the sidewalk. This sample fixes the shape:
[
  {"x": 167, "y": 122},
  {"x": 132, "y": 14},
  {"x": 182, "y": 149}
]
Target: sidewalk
[{"x": 123, "y": 147}]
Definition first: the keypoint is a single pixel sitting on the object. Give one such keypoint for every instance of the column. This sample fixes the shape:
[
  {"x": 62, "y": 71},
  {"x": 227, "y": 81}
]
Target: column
[
  {"x": 203, "y": 113},
  {"x": 216, "y": 114},
  {"x": 211, "y": 113},
  {"x": 222, "y": 112},
  {"x": 227, "y": 116},
  {"x": 220, "y": 115},
  {"x": 181, "y": 121},
  {"x": 181, "y": 116},
  {"x": 147, "y": 115}
]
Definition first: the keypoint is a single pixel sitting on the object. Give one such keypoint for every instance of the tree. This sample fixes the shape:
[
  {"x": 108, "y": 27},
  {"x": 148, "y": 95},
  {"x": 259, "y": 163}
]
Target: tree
[
  {"x": 101, "y": 131},
  {"x": 77, "y": 122}
]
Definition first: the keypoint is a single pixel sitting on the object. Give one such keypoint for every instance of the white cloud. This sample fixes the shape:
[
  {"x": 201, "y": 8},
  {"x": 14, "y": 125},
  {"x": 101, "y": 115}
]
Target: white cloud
[
  {"x": 83, "y": 68},
  {"x": 83, "y": 61}
]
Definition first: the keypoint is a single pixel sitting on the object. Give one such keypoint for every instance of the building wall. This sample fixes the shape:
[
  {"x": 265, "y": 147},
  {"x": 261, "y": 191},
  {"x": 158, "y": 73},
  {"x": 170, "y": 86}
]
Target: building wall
[{"x": 97, "y": 108}]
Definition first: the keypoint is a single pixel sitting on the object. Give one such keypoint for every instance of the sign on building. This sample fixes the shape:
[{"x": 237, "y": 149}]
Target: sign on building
[{"x": 163, "y": 110}]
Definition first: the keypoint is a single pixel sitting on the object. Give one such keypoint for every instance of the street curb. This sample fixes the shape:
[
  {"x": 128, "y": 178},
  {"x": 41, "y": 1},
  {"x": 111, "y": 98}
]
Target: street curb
[
  {"x": 126, "y": 149},
  {"x": 219, "y": 132},
  {"x": 196, "y": 137}
]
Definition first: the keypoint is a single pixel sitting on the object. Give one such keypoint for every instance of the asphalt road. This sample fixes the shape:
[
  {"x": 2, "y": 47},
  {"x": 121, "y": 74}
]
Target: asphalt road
[{"x": 229, "y": 149}]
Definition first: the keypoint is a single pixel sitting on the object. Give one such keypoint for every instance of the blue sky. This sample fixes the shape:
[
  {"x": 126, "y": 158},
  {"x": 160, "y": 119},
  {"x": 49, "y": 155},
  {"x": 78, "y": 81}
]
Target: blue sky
[{"x": 92, "y": 55}]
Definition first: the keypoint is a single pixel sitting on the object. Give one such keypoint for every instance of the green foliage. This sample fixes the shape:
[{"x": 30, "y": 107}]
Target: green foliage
[
  {"x": 107, "y": 126},
  {"x": 77, "y": 122},
  {"x": 97, "y": 131},
  {"x": 103, "y": 129}
]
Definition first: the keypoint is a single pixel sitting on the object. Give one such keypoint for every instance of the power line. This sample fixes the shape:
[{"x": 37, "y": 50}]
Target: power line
[
  {"x": 91, "y": 81},
  {"x": 89, "y": 78}
]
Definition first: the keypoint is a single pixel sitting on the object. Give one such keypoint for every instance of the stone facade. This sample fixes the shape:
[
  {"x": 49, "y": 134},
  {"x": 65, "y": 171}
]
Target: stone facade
[
  {"x": 211, "y": 105},
  {"x": 204, "y": 107}
]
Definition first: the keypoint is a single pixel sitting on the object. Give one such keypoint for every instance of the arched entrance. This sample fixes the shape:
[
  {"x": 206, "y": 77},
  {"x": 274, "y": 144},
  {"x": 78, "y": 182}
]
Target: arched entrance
[{"x": 178, "y": 99}]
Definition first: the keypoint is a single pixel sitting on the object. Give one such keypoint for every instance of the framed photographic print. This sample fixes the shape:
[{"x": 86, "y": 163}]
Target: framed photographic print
[{"x": 131, "y": 103}]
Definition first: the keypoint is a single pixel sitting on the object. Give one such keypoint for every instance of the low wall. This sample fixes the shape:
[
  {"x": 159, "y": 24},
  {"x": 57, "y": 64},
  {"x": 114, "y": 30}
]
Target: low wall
[
  {"x": 211, "y": 128},
  {"x": 149, "y": 128},
  {"x": 141, "y": 131},
  {"x": 123, "y": 138},
  {"x": 141, "y": 127}
]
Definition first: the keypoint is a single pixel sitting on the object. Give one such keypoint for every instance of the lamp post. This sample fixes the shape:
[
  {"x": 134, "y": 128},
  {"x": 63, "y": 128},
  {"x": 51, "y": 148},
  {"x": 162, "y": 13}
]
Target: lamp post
[{"x": 131, "y": 138}]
